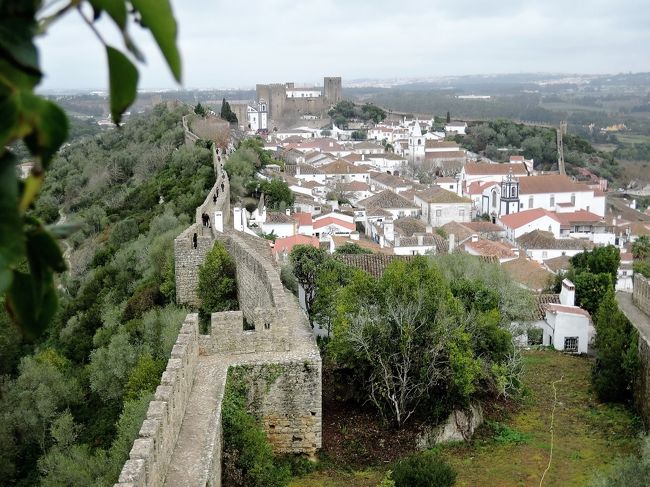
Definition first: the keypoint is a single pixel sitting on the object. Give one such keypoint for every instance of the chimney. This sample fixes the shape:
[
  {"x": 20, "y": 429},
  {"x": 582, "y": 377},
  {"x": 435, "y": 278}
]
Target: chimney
[
  {"x": 452, "y": 242},
  {"x": 363, "y": 157},
  {"x": 287, "y": 212},
  {"x": 420, "y": 240},
  {"x": 474, "y": 238},
  {"x": 429, "y": 229},
  {"x": 354, "y": 235},
  {"x": 298, "y": 170},
  {"x": 568, "y": 293},
  {"x": 397, "y": 240}
]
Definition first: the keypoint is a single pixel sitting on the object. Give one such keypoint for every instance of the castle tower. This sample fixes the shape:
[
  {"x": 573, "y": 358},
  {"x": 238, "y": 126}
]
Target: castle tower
[
  {"x": 332, "y": 90},
  {"x": 509, "y": 195}
]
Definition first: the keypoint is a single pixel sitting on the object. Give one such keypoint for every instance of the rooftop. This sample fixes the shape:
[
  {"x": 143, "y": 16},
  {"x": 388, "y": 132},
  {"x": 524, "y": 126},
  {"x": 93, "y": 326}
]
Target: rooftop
[
  {"x": 518, "y": 220},
  {"x": 287, "y": 243},
  {"x": 373, "y": 264},
  {"x": 341, "y": 166},
  {"x": 436, "y": 194},
  {"x": 480, "y": 169},
  {"x": 409, "y": 226},
  {"x": 550, "y": 183},
  {"x": 542, "y": 300},
  {"x": 558, "y": 264},
  {"x": 490, "y": 248},
  {"x": 528, "y": 273},
  {"x": 279, "y": 217},
  {"x": 386, "y": 199},
  {"x": 538, "y": 239},
  {"x": 573, "y": 310}
]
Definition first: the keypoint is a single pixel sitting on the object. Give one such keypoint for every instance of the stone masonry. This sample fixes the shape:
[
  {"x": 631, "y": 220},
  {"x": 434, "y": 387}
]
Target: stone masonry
[
  {"x": 637, "y": 309},
  {"x": 180, "y": 441}
]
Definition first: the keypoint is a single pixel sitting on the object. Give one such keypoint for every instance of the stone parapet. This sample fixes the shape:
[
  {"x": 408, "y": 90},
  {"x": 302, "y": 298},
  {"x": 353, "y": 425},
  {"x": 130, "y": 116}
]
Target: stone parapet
[{"x": 152, "y": 450}]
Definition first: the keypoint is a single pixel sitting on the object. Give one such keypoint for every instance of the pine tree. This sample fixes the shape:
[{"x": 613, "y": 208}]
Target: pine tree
[{"x": 448, "y": 117}]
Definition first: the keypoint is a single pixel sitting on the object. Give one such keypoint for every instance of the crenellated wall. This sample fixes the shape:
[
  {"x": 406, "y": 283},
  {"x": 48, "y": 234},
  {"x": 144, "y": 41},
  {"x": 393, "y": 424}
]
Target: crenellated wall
[
  {"x": 641, "y": 299},
  {"x": 180, "y": 442},
  {"x": 152, "y": 450}
]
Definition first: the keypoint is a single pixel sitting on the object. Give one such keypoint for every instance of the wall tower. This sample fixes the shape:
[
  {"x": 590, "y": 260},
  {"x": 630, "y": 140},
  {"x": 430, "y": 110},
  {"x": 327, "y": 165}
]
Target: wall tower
[{"x": 332, "y": 90}]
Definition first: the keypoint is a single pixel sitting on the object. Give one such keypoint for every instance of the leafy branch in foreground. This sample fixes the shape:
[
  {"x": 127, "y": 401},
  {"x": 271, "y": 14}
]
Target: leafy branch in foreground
[{"x": 29, "y": 253}]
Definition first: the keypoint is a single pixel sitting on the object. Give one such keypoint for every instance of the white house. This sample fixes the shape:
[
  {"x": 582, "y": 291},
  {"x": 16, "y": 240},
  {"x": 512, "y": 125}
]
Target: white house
[
  {"x": 567, "y": 327},
  {"x": 517, "y": 224},
  {"x": 419, "y": 244},
  {"x": 333, "y": 224},
  {"x": 280, "y": 224},
  {"x": 391, "y": 203},
  {"x": 551, "y": 190},
  {"x": 625, "y": 274},
  {"x": 456, "y": 128},
  {"x": 439, "y": 206},
  {"x": 540, "y": 245},
  {"x": 257, "y": 116}
]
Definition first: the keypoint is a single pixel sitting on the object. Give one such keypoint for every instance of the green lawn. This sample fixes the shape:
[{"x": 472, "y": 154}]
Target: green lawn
[{"x": 588, "y": 435}]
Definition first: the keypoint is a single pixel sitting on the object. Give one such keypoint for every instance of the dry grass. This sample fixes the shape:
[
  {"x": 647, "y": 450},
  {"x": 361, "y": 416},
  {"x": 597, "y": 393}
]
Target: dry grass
[{"x": 589, "y": 436}]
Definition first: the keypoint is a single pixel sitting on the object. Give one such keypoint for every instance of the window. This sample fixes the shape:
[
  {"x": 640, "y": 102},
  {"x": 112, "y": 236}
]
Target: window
[
  {"x": 573, "y": 200},
  {"x": 530, "y": 202},
  {"x": 552, "y": 203},
  {"x": 494, "y": 199},
  {"x": 544, "y": 254},
  {"x": 438, "y": 213},
  {"x": 461, "y": 212},
  {"x": 521, "y": 206},
  {"x": 571, "y": 344}
]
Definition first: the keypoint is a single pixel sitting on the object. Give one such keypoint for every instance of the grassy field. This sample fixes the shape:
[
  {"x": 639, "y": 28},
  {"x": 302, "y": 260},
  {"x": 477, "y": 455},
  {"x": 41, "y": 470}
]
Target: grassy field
[
  {"x": 515, "y": 451},
  {"x": 633, "y": 138}
]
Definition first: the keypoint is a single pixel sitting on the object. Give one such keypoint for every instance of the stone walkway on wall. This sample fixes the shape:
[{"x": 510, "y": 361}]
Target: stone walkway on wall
[{"x": 638, "y": 318}]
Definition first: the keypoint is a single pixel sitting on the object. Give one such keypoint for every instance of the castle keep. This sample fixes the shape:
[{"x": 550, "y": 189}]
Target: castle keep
[
  {"x": 180, "y": 441},
  {"x": 287, "y": 102}
]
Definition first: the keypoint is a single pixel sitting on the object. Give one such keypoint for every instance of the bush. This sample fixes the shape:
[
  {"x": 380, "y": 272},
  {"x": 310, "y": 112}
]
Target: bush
[
  {"x": 423, "y": 470},
  {"x": 217, "y": 285}
]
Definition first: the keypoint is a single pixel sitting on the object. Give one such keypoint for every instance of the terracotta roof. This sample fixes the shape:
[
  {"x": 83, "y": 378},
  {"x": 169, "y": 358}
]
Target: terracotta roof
[
  {"x": 440, "y": 144},
  {"x": 573, "y": 310},
  {"x": 389, "y": 179},
  {"x": 356, "y": 186},
  {"x": 453, "y": 154},
  {"x": 303, "y": 219},
  {"x": 378, "y": 212},
  {"x": 528, "y": 273},
  {"x": 549, "y": 183},
  {"x": 445, "y": 180},
  {"x": 323, "y": 143},
  {"x": 542, "y": 300},
  {"x": 580, "y": 216},
  {"x": 386, "y": 155},
  {"x": 490, "y": 248},
  {"x": 353, "y": 157},
  {"x": 477, "y": 187},
  {"x": 278, "y": 217},
  {"x": 557, "y": 264},
  {"x": 516, "y": 158},
  {"x": 363, "y": 243},
  {"x": 459, "y": 230},
  {"x": 341, "y": 167},
  {"x": 434, "y": 240},
  {"x": 436, "y": 194},
  {"x": 287, "y": 243},
  {"x": 329, "y": 220},
  {"x": 386, "y": 199},
  {"x": 538, "y": 239},
  {"x": 408, "y": 226},
  {"x": 292, "y": 169},
  {"x": 373, "y": 264},
  {"x": 518, "y": 220},
  {"x": 483, "y": 227},
  {"x": 481, "y": 168},
  {"x": 367, "y": 144}
]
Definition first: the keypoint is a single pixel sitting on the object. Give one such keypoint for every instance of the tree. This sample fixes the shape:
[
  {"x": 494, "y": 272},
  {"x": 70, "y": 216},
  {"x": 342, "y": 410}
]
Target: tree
[
  {"x": 351, "y": 248},
  {"x": 277, "y": 193},
  {"x": 590, "y": 289},
  {"x": 30, "y": 296},
  {"x": 599, "y": 260},
  {"x": 359, "y": 135},
  {"x": 226, "y": 112},
  {"x": 199, "y": 110},
  {"x": 306, "y": 260},
  {"x": 217, "y": 286},
  {"x": 616, "y": 363},
  {"x": 423, "y": 470},
  {"x": 448, "y": 117},
  {"x": 641, "y": 248},
  {"x": 331, "y": 277}
]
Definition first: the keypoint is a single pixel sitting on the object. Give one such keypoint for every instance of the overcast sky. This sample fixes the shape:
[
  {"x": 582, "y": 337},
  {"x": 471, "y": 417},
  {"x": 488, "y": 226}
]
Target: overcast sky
[{"x": 236, "y": 43}]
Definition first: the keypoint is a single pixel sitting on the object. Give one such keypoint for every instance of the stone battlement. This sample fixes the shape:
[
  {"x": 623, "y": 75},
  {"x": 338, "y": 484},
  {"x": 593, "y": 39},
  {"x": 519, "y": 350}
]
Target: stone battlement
[{"x": 180, "y": 443}]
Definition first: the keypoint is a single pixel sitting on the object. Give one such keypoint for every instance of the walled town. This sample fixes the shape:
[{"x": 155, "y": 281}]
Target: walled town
[{"x": 346, "y": 283}]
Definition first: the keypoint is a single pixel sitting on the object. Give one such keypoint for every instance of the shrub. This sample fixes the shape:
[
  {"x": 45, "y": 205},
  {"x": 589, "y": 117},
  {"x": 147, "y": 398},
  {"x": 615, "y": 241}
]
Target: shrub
[
  {"x": 423, "y": 470},
  {"x": 217, "y": 286},
  {"x": 144, "y": 298}
]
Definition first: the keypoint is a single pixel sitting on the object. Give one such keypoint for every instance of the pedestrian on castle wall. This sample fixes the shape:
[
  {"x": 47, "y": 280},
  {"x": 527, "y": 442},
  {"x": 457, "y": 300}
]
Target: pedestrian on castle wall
[{"x": 214, "y": 198}]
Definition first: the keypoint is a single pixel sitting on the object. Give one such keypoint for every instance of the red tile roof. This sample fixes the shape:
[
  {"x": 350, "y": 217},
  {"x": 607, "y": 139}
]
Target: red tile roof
[
  {"x": 287, "y": 243},
  {"x": 574, "y": 310},
  {"x": 490, "y": 248},
  {"x": 550, "y": 183},
  {"x": 303, "y": 219},
  {"x": 333, "y": 221},
  {"x": 517, "y": 220},
  {"x": 580, "y": 216},
  {"x": 478, "y": 168}
]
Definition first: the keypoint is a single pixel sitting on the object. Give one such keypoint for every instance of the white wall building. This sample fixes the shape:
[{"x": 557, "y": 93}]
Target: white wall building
[{"x": 439, "y": 206}]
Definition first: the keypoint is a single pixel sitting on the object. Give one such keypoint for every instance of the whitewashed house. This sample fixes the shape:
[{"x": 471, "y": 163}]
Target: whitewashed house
[{"x": 439, "y": 206}]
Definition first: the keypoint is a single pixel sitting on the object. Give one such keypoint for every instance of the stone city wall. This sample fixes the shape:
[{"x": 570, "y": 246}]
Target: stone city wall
[
  {"x": 190, "y": 138},
  {"x": 152, "y": 450},
  {"x": 641, "y": 299},
  {"x": 286, "y": 396},
  {"x": 188, "y": 257}
]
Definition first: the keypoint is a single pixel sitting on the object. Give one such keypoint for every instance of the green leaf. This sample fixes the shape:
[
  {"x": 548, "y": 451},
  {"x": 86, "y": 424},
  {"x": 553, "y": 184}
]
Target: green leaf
[
  {"x": 16, "y": 43},
  {"x": 13, "y": 78},
  {"x": 116, "y": 9},
  {"x": 158, "y": 17},
  {"x": 42, "y": 247},
  {"x": 8, "y": 119},
  {"x": 123, "y": 82},
  {"x": 12, "y": 239},
  {"x": 32, "y": 302},
  {"x": 48, "y": 123}
]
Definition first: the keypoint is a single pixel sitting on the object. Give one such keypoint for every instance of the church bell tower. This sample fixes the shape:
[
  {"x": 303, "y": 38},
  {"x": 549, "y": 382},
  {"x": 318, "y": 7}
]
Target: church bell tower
[{"x": 509, "y": 195}]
